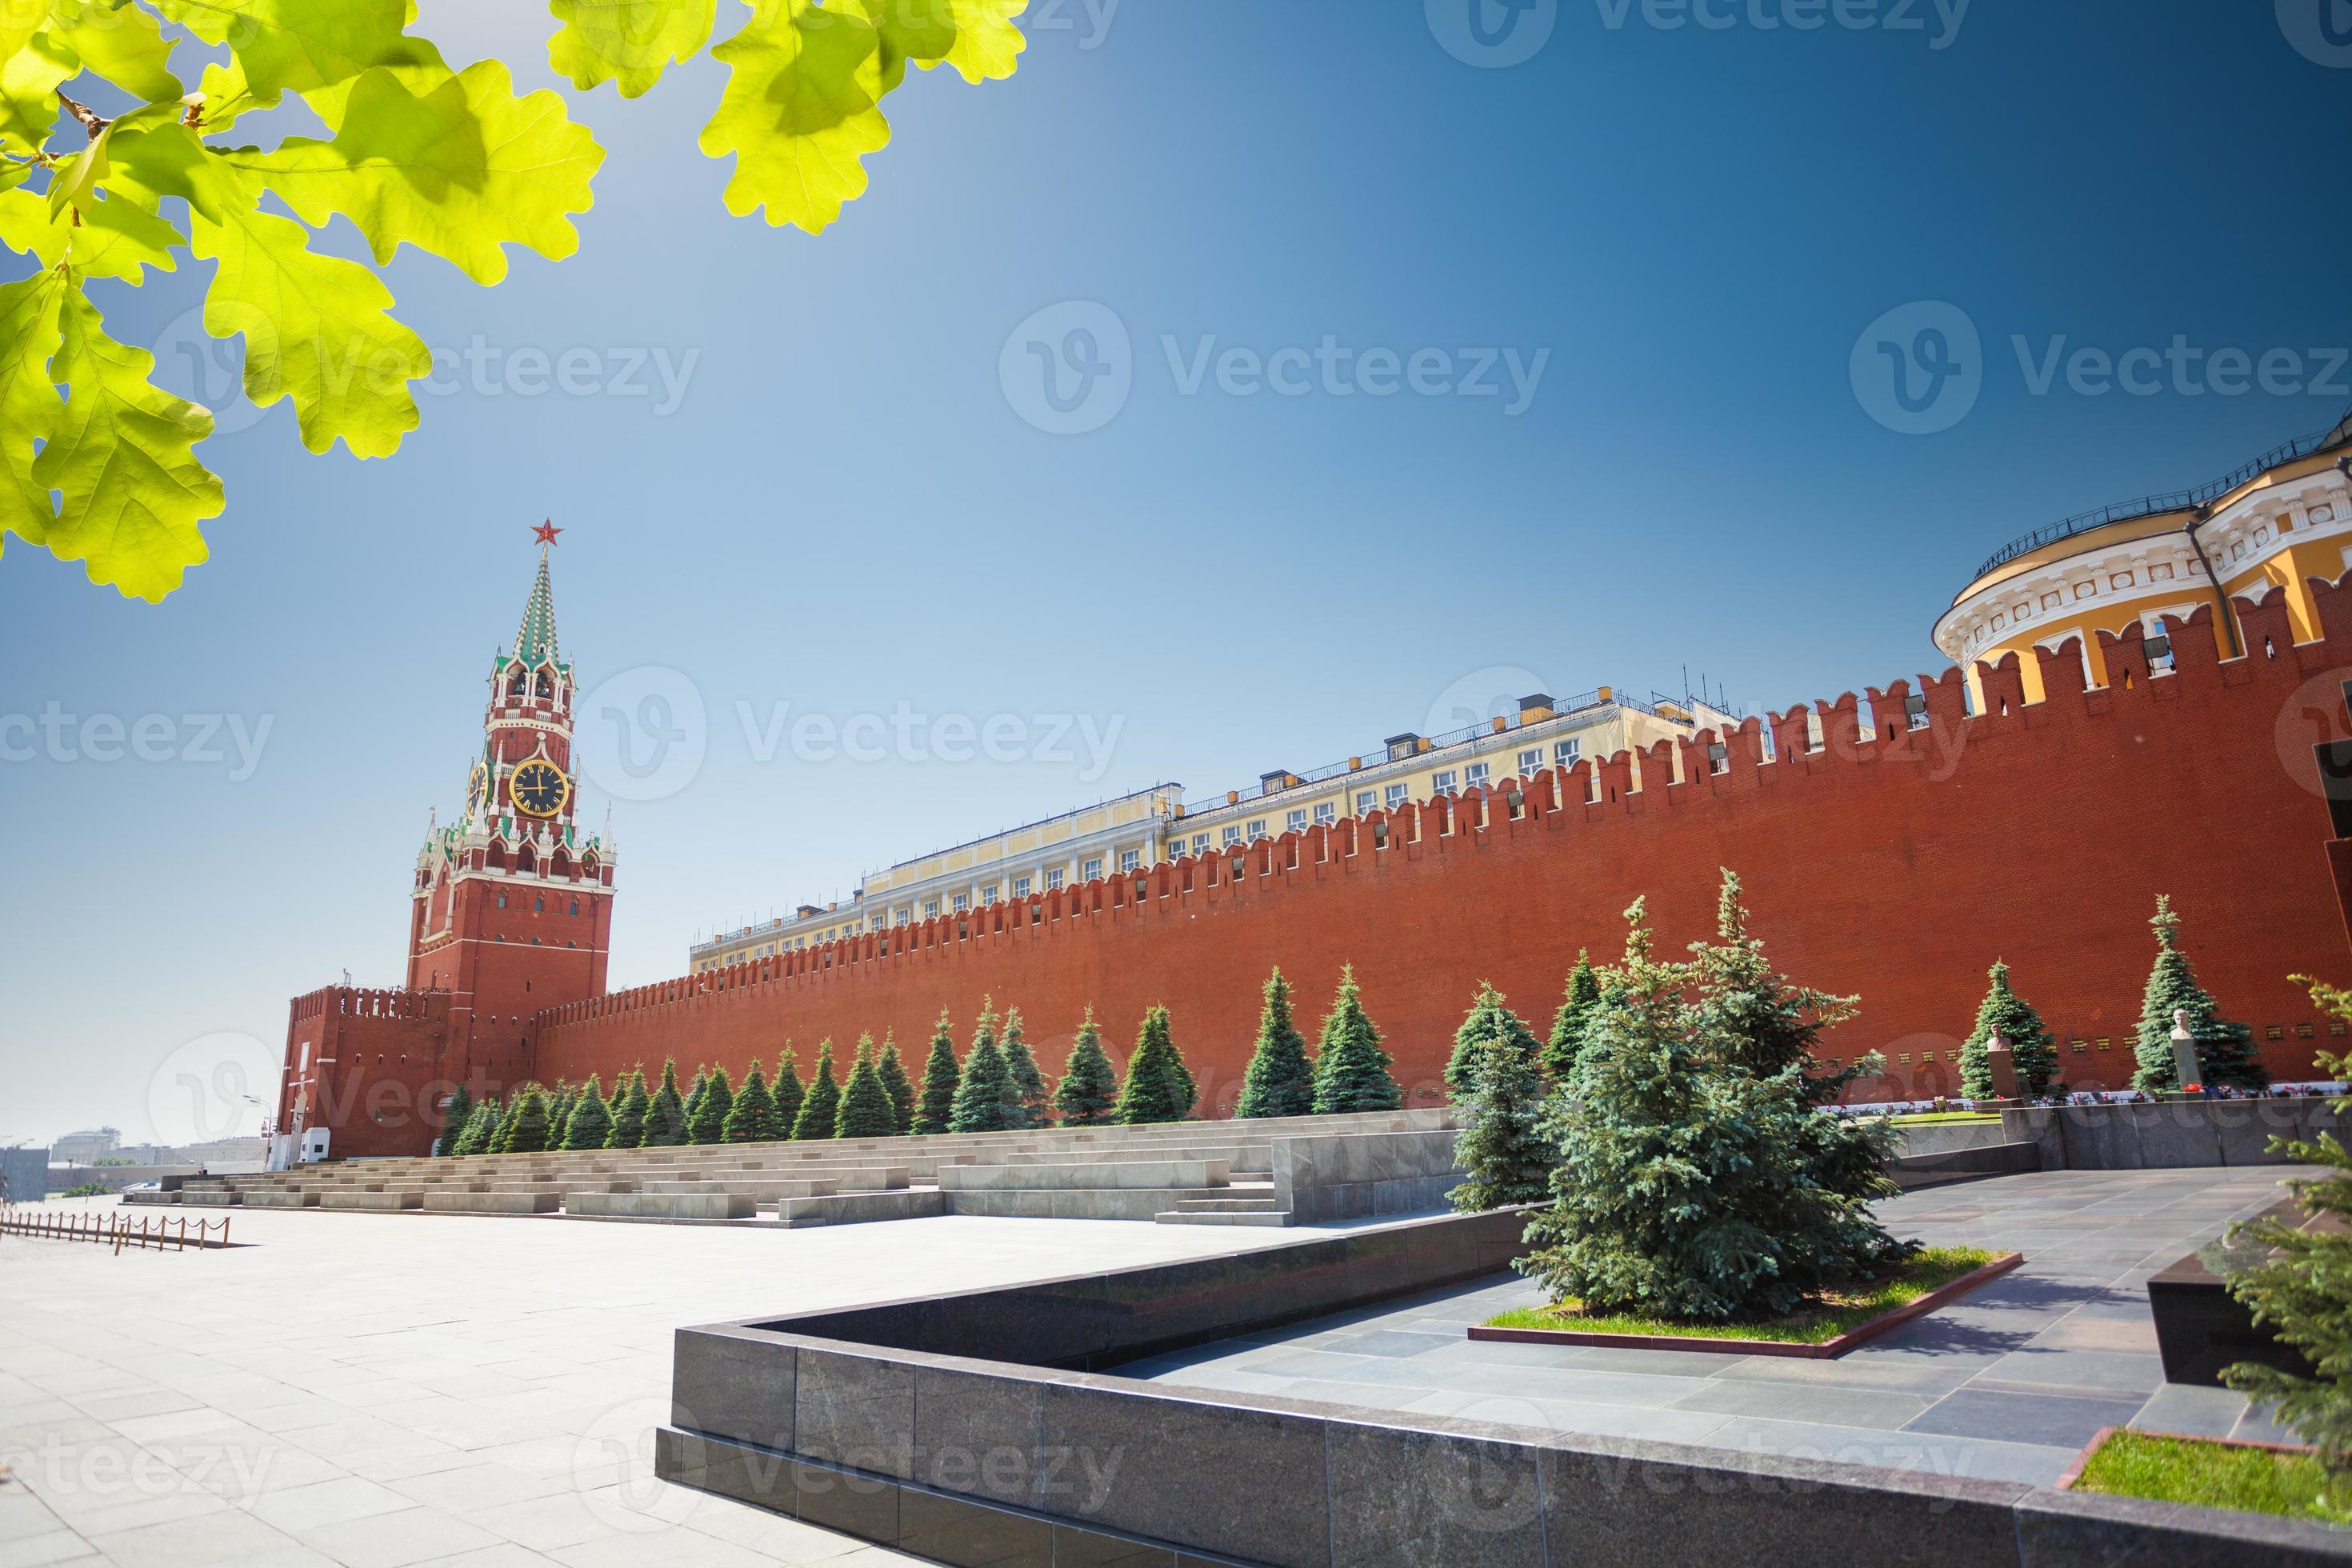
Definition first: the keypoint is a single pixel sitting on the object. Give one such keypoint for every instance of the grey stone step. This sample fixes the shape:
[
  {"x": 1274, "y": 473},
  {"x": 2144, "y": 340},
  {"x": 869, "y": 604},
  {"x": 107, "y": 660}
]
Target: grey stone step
[
  {"x": 1253, "y": 1216},
  {"x": 281, "y": 1198},
  {"x": 1226, "y": 1205},
  {"x": 499, "y": 1200},
  {"x": 661, "y": 1206},
  {"x": 403, "y": 1198},
  {"x": 1088, "y": 1176}
]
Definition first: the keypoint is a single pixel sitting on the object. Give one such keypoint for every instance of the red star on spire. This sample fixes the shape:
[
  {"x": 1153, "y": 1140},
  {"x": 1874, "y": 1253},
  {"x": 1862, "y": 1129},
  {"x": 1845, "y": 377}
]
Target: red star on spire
[{"x": 546, "y": 531}]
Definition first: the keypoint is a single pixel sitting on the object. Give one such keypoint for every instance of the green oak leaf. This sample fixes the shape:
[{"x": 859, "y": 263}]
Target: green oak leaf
[
  {"x": 30, "y": 405},
  {"x": 122, "y": 42},
  {"x": 461, "y": 171},
  {"x": 297, "y": 46},
  {"x": 123, "y": 463},
  {"x": 627, "y": 42},
  {"x": 31, "y": 76},
  {"x": 119, "y": 237},
  {"x": 799, "y": 112},
  {"x": 317, "y": 329},
  {"x": 976, "y": 37}
]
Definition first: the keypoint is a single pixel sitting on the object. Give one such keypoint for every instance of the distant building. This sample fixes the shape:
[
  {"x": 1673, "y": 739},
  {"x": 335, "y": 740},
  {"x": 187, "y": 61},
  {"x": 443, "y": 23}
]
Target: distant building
[
  {"x": 86, "y": 1147},
  {"x": 1137, "y": 832},
  {"x": 23, "y": 1174}
]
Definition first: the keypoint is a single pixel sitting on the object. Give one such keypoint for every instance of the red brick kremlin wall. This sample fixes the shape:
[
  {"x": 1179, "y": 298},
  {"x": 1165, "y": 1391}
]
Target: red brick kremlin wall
[{"x": 1898, "y": 868}]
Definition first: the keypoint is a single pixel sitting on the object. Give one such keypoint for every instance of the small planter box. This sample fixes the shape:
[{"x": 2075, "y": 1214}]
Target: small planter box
[{"x": 1825, "y": 1351}]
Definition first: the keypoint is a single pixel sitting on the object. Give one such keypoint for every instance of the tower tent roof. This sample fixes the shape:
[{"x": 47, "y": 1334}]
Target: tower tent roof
[{"x": 535, "y": 639}]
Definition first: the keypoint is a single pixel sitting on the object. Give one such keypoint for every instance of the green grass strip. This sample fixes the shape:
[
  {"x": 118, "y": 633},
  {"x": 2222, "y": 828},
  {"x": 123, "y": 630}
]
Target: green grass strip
[
  {"x": 2217, "y": 1474},
  {"x": 1834, "y": 1314}
]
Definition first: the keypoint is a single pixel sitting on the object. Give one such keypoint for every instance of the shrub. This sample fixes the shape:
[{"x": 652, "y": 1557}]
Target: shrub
[
  {"x": 752, "y": 1118},
  {"x": 1280, "y": 1080},
  {"x": 1352, "y": 1070},
  {"x": 526, "y": 1131},
  {"x": 454, "y": 1117},
  {"x": 1487, "y": 1019},
  {"x": 941, "y": 1078},
  {"x": 866, "y": 1108},
  {"x": 787, "y": 1091},
  {"x": 1157, "y": 1087},
  {"x": 630, "y": 1101},
  {"x": 1683, "y": 1188},
  {"x": 1027, "y": 1108},
  {"x": 707, "y": 1123},
  {"x": 481, "y": 1126},
  {"x": 896, "y": 1082},
  {"x": 983, "y": 1098},
  {"x": 591, "y": 1121},
  {"x": 1089, "y": 1087},
  {"x": 1506, "y": 1142},
  {"x": 1568, "y": 1024},
  {"x": 821, "y": 1106},
  {"x": 2303, "y": 1290},
  {"x": 2036, "y": 1053},
  {"x": 2225, "y": 1049},
  {"x": 664, "y": 1112}
]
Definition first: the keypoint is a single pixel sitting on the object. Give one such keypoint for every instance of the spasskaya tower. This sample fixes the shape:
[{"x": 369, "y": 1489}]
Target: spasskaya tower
[{"x": 511, "y": 910}]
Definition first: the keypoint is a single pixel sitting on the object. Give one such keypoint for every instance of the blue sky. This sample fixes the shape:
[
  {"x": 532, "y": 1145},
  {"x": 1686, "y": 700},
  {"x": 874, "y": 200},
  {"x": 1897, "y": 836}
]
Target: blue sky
[{"x": 838, "y": 504}]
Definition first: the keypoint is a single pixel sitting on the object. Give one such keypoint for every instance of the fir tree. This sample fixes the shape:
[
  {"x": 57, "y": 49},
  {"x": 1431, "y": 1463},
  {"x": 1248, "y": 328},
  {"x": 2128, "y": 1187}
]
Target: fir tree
[
  {"x": 1352, "y": 1070},
  {"x": 1568, "y": 1024},
  {"x": 664, "y": 1111},
  {"x": 1280, "y": 1080},
  {"x": 1487, "y": 1019},
  {"x": 1157, "y": 1086},
  {"x": 821, "y": 1105},
  {"x": 2225, "y": 1049},
  {"x": 629, "y": 1103},
  {"x": 695, "y": 1093},
  {"x": 1506, "y": 1143},
  {"x": 525, "y": 1131},
  {"x": 474, "y": 1138},
  {"x": 1089, "y": 1086},
  {"x": 752, "y": 1119},
  {"x": 559, "y": 1113},
  {"x": 787, "y": 1091},
  {"x": 865, "y": 1111},
  {"x": 983, "y": 1099},
  {"x": 708, "y": 1123},
  {"x": 1755, "y": 1019},
  {"x": 2036, "y": 1053},
  {"x": 1681, "y": 1189},
  {"x": 942, "y": 1078},
  {"x": 2301, "y": 1290},
  {"x": 454, "y": 1117},
  {"x": 1028, "y": 1106},
  {"x": 591, "y": 1121},
  {"x": 896, "y": 1084}
]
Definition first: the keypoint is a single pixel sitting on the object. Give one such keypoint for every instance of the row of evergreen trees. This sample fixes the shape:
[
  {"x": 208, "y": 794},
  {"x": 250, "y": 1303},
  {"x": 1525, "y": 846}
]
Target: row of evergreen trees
[
  {"x": 1349, "y": 1072},
  {"x": 1673, "y": 1120},
  {"x": 2226, "y": 1053}
]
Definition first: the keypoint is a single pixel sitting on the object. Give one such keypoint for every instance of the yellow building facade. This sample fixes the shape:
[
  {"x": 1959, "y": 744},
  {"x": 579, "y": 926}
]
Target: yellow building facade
[{"x": 2277, "y": 521}]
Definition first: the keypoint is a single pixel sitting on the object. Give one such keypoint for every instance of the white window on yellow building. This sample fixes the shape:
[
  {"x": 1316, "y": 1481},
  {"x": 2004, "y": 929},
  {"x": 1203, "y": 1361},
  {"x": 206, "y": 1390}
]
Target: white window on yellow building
[
  {"x": 990, "y": 894},
  {"x": 1295, "y": 822},
  {"x": 1565, "y": 753},
  {"x": 1020, "y": 887},
  {"x": 1475, "y": 774},
  {"x": 1366, "y": 801},
  {"x": 1530, "y": 762},
  {"x": 903, "y": 916},
  {"x": 1092, "y": 871},
  {"x": 1199, "y": 844},
  {"x": 1054, "y": 879},
  {"x": 1326, "y": 812},
  {"x": 960, "y": 902},
  {"x": 1257, "y": 830},
  {"x": 931, "y": 909},
  {"x": 1130, "y": 859},
  {"x": 1442, "y": 781},
  {"x": 1396, "y": 795}
]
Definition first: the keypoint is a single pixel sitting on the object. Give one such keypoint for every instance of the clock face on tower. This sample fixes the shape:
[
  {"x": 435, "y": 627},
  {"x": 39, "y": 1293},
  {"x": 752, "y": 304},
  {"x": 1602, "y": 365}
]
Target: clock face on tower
[
  {"x": 477, "y": 789},
  {"x": 538, "y": 788}
]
